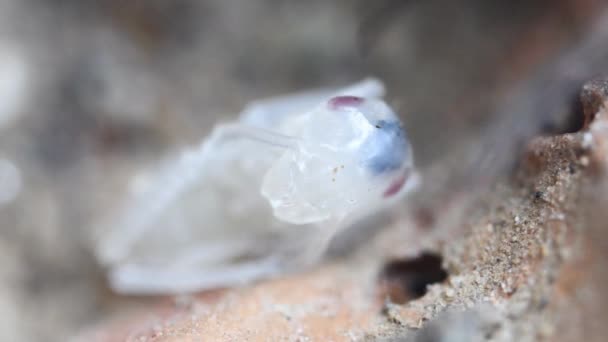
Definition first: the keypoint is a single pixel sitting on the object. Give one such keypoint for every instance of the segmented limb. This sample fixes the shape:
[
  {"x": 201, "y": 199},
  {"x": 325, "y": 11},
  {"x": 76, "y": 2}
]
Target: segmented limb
[
  {"x": 139, "y": 279},
  {"x": 205, "y": 267},
  {"x": 174, "y": 179}
]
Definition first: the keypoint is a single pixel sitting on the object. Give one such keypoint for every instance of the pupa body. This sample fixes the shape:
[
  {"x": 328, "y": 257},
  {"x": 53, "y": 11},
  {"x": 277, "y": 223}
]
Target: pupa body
[{"x": 262, "y": 195}]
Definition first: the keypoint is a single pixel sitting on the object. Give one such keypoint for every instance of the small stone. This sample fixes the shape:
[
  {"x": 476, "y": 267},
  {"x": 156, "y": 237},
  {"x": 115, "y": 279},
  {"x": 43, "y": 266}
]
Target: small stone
[
  {"x": 587, "y": 140},
  {"x": 593, "y": 96}
]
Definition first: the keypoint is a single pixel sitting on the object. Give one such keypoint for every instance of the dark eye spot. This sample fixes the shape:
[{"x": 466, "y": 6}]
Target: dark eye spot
[
  {"x": 396, "y": 185},
  {"x": 340, "y": 102}
]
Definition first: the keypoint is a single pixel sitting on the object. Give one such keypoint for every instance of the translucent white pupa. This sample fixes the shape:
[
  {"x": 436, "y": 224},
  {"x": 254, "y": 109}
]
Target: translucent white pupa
[{"x": 262, "y": 195}]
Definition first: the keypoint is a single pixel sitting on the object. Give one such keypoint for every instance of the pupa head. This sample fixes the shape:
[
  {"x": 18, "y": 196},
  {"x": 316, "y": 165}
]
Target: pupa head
[{"x": 353, "y": 155}]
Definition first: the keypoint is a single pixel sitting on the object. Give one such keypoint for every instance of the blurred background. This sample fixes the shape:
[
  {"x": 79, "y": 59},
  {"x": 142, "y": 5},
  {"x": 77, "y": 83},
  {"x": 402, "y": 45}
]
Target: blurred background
[{"x": 93, "y": 91}]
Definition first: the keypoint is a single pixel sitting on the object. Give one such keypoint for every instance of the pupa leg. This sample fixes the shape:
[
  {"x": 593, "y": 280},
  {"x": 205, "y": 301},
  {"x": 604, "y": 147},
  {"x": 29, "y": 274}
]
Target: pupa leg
[
  {"x": 221, "y": 252},
  {"x": 317, "y": 249},
  {"x": 174, "y": 179},
  {"x": 185, "y": 276},
  {"x": 307, "y": 250},
  {"x": 138, "y": 279},
  {"x": 270, "y": 112}
]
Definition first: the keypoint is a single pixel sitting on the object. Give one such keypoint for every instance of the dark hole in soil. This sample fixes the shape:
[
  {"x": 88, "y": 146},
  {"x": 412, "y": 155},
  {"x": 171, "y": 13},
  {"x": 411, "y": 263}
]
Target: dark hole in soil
[
  {"x": 405, "y": 280},
  {"x": 572, "y": 121}
]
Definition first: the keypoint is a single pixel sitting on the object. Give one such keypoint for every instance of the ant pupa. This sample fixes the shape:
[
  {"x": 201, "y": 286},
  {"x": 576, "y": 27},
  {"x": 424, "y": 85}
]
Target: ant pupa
[{"x": 261, "y": 195}]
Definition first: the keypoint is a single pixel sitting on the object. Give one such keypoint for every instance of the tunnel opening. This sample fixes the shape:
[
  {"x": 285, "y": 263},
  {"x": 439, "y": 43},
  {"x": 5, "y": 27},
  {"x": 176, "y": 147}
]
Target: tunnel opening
[{"x": 403, "y": 280}]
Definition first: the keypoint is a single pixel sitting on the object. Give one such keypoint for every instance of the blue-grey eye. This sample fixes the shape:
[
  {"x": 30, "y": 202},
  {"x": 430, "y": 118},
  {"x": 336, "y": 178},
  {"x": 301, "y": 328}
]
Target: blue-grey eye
[{"x": 386, "y": 149}]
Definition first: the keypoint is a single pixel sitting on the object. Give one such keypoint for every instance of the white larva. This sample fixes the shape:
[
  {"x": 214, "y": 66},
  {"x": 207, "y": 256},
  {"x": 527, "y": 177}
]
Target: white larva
[{"x": 262, "y": 195}]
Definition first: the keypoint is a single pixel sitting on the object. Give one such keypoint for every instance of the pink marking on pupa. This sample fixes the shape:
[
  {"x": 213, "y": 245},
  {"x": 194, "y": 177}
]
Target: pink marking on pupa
[
  {"x": 340, "y": 102},
  {"x": 396, "y": 185}
]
